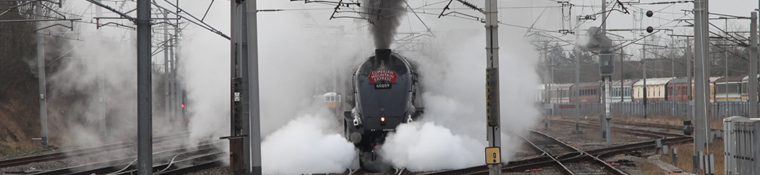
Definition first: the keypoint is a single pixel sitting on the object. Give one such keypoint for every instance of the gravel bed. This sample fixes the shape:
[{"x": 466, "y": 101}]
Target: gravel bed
[
  {"x": 34, "y": 153},
  {"x": 213, "y": 171},
  {"x": 541, "y": 171}
]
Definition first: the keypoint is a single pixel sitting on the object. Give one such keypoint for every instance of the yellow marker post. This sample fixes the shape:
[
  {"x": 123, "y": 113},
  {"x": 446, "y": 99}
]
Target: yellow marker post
[{"x": 493, "y": 155}]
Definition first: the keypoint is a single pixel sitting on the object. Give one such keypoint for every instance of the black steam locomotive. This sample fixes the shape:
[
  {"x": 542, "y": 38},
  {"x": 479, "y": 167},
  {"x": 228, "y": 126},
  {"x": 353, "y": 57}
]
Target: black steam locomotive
[{"x": 383, "y": 93}]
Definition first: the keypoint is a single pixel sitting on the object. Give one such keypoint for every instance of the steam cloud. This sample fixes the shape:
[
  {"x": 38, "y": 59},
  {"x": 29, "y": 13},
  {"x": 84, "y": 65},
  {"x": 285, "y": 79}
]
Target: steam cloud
[
  {"x": 310, "y": 142},
  {"x": 296, "y": 64},
  {"x": 386, "y": 17},
  {"x": 452, "y": 132}
]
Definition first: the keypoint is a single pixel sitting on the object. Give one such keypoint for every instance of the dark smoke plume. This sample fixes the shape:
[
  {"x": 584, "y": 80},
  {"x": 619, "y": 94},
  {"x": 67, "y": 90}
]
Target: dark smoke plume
[
  {"x": 596, "y": 40},
  {"x": 385, "y": 16}
]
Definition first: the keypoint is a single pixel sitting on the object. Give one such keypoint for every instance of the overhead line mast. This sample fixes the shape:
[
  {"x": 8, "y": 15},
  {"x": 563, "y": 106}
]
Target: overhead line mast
[{"x": 493, "y": 152}]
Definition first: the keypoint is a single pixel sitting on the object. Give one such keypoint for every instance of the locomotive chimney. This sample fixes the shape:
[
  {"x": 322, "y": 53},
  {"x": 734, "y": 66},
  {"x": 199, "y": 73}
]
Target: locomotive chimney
[{"x": 382, "y": 55}]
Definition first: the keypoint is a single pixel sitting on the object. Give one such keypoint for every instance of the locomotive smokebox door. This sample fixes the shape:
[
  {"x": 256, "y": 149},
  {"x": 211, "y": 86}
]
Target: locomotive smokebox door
[{"x": 606, "y": 63}]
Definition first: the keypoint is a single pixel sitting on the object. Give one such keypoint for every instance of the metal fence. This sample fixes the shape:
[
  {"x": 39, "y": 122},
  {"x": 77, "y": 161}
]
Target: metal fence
[{"x": 717, "y": 110}]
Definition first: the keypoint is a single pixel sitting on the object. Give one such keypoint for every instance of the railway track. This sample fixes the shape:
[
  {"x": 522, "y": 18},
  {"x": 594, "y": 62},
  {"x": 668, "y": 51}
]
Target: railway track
[
  {"x": 595, "y": 156},
  {"x": 630, "y": 131},
  {"x": 171, "y": 160},
  {"x": 678, "y": 128},
  {"x": 548, "y": 146},
  {"x": 80, "y": 152},
  {"x": 185, "y": 163},
  {"x": 557, "y": 164},
  {"x": 581, "y": 156}
]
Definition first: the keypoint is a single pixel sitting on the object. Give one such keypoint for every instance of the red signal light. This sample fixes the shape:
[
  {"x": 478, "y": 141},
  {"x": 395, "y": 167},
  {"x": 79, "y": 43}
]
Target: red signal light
[{"x": 183, "y": 105}]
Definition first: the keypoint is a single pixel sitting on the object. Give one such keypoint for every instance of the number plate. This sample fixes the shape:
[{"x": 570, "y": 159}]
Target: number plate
[{"x": 383, "y": 86}]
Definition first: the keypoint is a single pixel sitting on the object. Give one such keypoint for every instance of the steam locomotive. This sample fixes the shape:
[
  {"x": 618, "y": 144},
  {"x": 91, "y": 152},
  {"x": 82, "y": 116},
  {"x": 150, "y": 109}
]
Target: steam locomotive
[{"x": 383, "y": 93}]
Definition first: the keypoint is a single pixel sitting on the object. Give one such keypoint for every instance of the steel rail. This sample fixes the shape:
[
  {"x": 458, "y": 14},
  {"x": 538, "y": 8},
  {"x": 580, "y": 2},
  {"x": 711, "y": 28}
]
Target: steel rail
[
  {"x": 114, "y": 165},
  {"x": 657, "y": 125},
  {"x": 607, "y": 167},
  {"x": 560, "y": 167},
  {"x": 544, "y": 161},
  {"x": 196, "y": 167},
  {"x": 628, "y": 130},
  {"x": 625, "y": 131},
  {"x": 78, "y": 152},
  {"x": 172, "y": 168}
]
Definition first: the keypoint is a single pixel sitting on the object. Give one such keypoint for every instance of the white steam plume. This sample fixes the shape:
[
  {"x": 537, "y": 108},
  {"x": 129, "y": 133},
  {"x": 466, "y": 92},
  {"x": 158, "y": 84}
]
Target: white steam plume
[
  {"x": 453, "y": 129},
  {"x": 310, "y": 143},
  {"x": 90, "y": 65},
  {"x": 385, "y": 16},
  {"x": 205, "y": 68},
  {"x": 295, "y": 64}
]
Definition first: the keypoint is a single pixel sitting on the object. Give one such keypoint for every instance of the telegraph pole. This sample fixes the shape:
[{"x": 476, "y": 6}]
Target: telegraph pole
[
  {"x": 644, "y": 63},
  {"x": 176, "y": 91},
  {"x": 622, "y": 89},
  {"x": 167, "y": 74},
  {"x": 576, "y": 91},
  {"x": 101, "y": 83},
  {"x": 606, "y": 59},
  {"x": 144, "y": 108},
  {"x": 41, "y": 76},
  {"x": 547, "y": 85},
  {"x": 240, "y": 144},
  {"x": 493, "y": 151},
  {"x": 753, "y": 66},
  {"x": 253, "y": 81},
  {"x": 690, "y": 113},
  {"x": 701, "y": 70}
]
